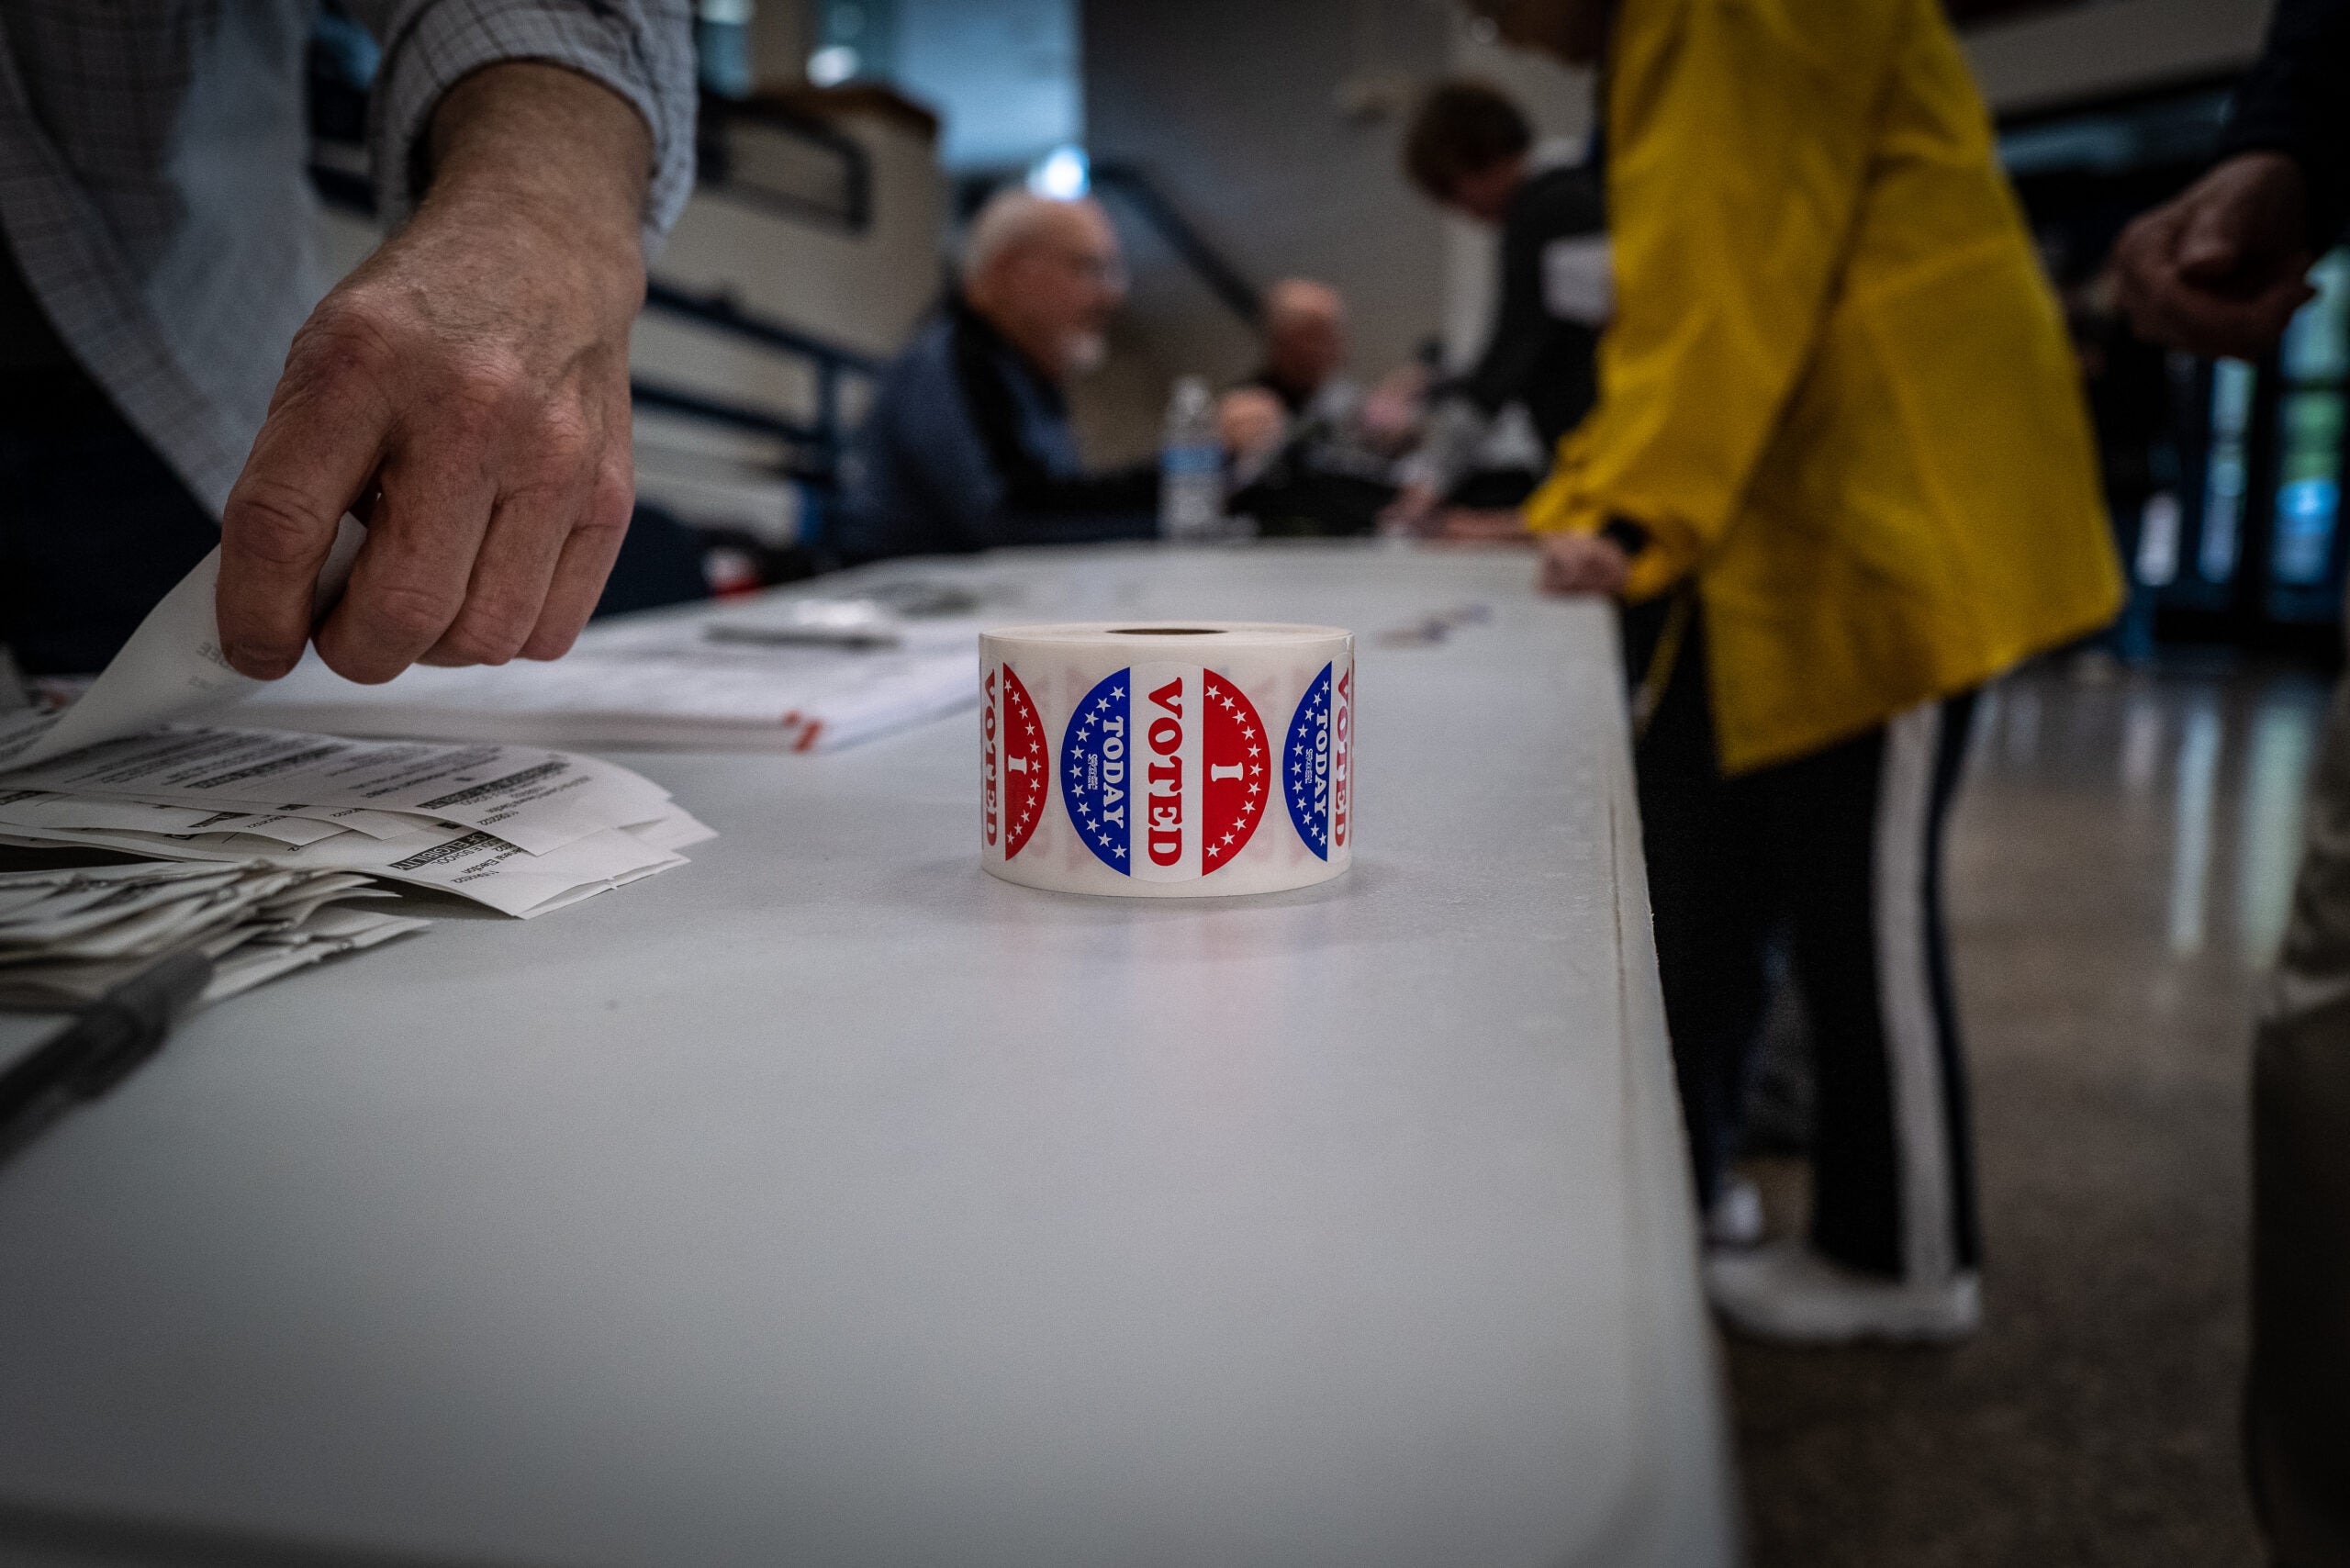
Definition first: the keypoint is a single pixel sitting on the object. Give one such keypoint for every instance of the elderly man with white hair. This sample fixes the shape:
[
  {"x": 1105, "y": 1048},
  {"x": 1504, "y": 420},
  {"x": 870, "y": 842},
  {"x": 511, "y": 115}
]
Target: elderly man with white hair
[{"x": 968, "y": 443}]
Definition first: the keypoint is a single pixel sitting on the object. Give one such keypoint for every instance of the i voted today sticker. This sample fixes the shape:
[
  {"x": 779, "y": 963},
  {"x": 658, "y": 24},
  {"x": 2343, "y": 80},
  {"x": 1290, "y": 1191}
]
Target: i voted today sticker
[
  {"x": 1166, "y": 769},
  {"x": 1014, "y": 774},
  {"x": 1315, "y": 778}
]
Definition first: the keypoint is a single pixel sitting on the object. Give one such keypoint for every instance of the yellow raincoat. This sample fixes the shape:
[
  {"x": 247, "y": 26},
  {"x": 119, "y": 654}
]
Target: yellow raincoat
[{"x": 1836, "y": 391}]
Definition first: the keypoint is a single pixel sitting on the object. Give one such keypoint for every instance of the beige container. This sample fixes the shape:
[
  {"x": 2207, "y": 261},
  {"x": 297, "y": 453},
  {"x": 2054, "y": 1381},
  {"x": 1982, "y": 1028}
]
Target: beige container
[{"x": 1165, "y": 758}]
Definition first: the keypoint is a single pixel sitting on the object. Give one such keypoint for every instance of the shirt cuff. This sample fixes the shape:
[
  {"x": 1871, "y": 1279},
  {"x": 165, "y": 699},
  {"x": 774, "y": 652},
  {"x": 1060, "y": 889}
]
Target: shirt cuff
[
  {"x": 1657, "y": 564},
  {"x": 642, "y": 50}
]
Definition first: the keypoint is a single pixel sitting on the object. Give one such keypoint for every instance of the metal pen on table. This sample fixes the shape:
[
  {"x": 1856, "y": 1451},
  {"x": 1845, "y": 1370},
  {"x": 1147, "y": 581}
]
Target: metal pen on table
[{"x": 106, "y": 1042}]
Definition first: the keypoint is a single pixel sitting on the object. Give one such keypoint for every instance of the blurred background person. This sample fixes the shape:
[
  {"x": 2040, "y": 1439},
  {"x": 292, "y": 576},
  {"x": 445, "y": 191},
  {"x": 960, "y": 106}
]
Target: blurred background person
[
  {"x": 1810, "y": 232},
  {"x": 1310, "y": 454},
  {"x": 1305, "y": 349},
  {"x": 968, "y": 443},
  {"x": 1471, "y": 150},
  {"x": 2221, "y": 270}
]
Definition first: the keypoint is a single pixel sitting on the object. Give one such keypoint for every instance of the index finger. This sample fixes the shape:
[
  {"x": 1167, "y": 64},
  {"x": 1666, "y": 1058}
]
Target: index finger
[{"x": 318, "y": 449}]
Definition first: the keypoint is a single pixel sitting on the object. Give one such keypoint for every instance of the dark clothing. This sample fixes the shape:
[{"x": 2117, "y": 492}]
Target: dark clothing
[
  {"x": 27, "y": 339},
  {"x": 1843, "y": 848},
  {"x": 2296, "y": 100},
  {"x": 660, "y": 564},
  {"x": 969, "y": 446},
  {"x": 1293, "y": 400},
  {"x": 2297, "y": 1415},
  {"x": 1534, "y": 355},
  {"x": 1541, "y": 352},
  {"x": 1322, "y": 482},
  {"x": 71, "y": 593},
  {"x": 2296, "y": 1399}
]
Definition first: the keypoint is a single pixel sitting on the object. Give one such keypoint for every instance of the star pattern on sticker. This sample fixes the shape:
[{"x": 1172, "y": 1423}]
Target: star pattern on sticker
[
  {"x": 1227, "y": 700},
  {"x": 1028, "y": 782},
  {"x": 1311, "y": 724}
]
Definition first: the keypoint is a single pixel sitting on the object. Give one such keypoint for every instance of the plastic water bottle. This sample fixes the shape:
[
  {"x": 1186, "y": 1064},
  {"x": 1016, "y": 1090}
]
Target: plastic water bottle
[{"x": 1190, "y": 466}]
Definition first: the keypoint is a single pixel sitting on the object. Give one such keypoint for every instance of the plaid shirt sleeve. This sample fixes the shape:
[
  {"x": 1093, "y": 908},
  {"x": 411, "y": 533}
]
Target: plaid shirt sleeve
[{"x": 642, "y": 49}]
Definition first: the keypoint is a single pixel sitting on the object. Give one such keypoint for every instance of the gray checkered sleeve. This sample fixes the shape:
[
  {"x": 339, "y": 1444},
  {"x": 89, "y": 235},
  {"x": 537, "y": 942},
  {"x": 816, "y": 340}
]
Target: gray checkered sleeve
[{"x": 642, "y": 49}]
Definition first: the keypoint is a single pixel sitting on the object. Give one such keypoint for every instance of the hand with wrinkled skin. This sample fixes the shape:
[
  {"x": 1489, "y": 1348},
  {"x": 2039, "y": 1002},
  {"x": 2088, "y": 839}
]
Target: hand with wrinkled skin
[
  {"x": 1584, "y": 563},
  {"x": 465, "y": 392},
  {"x": 2219, "y": 269}
]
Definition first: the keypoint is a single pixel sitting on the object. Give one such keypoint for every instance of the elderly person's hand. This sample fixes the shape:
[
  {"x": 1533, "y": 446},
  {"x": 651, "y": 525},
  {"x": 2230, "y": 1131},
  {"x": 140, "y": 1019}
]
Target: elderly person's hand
[
  {"x": 465, "y": 391},
  {"x": 2219, "y": 269},
  {"x": 1584, "y": 563},
  {"x": 1251, "y": 421}
]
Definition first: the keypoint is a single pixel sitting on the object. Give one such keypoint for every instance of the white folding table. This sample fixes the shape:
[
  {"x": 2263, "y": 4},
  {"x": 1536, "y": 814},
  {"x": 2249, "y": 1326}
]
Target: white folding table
[{"x": 829, "y": 1202}]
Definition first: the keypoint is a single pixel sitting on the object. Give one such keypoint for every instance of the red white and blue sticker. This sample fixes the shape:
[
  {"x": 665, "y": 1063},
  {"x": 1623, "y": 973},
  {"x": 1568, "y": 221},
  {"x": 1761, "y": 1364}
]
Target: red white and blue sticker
[
  {"x": 1314, "y": 772},
  {"x": 1165, "y": 769},
  {"x": 1013, "y": 770}
]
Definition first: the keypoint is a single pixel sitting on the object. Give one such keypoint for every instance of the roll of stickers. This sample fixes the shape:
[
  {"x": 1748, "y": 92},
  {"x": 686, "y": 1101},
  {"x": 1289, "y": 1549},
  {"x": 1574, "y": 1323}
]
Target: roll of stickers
[{"x": 1166, "y": 759}]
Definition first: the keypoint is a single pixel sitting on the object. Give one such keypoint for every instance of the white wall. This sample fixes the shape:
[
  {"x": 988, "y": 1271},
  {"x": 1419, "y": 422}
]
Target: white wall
[
  {"x": 1241, "y": 109},
  {"x": 1001, "y": 74},
  {"x": 865, "y": 291}
]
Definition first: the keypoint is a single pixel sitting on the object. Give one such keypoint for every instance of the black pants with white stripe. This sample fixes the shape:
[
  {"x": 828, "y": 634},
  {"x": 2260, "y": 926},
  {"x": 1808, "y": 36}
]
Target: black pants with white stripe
[{"x": 1842, "y": 852}]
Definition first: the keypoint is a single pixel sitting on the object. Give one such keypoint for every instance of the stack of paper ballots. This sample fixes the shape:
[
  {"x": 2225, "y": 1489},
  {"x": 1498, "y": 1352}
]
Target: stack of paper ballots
[
  {"x": 521, "y": 830},
  {"x": 68, "y": 936},
  {"x": 129, "y": 768}
]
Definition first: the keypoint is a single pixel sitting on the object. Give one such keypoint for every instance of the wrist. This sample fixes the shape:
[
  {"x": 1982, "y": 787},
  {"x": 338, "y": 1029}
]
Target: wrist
[{"x": 542, "y": 147}]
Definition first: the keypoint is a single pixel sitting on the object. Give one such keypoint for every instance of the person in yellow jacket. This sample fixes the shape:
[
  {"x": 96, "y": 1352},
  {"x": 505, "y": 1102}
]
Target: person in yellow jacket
[{"x": 1841, "y": 472}]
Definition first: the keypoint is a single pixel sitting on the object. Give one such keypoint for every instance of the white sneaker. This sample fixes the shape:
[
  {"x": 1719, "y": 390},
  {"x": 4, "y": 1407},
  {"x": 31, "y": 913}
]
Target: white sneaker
[
  {"x": 1736, "y": 1218},
  {"x": 1790, "y": 1294}
]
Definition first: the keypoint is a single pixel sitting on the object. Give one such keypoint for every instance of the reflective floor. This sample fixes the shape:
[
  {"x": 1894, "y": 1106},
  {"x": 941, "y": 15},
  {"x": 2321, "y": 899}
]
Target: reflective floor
[{"x": 2121, "y": 866}]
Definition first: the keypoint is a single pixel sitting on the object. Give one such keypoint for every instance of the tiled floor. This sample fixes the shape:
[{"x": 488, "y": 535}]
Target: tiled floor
[{"x": 2120, "y": 869}]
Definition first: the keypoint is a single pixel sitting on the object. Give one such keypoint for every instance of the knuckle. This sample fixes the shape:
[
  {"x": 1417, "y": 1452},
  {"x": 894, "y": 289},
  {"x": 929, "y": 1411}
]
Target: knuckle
[
  {"x": 490, "y": 631},
  {"x": 548, "y": 643},
  {"x": 476, "y": 409},
  {"x": 466, "y": 644},
  {"x": 563, "y": 458},
  {"x": 278, "y": 523},
  {"x": 409, "y": 613},
  {"x": 613, "y": 501},
  {"x": 348, "y": 338}
]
